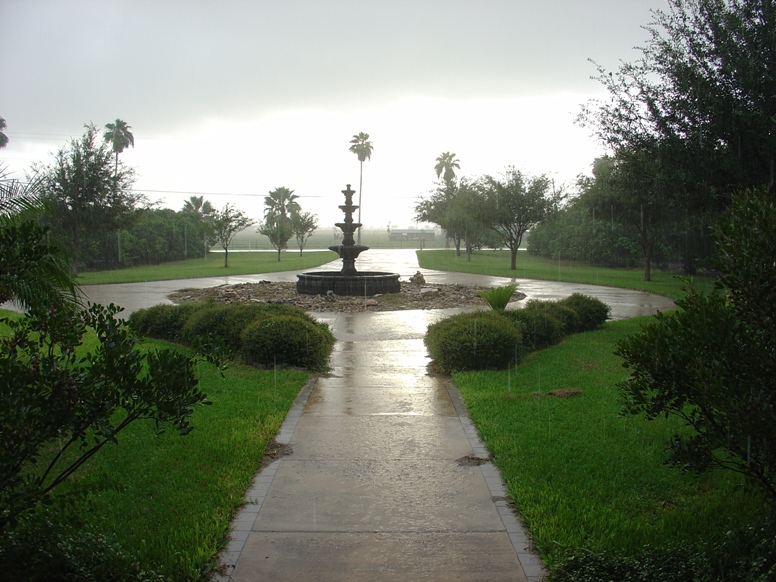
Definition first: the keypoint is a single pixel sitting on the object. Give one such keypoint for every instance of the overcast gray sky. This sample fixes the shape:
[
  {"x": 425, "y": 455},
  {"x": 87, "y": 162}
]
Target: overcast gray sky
[{"x": 235, "y": 98}]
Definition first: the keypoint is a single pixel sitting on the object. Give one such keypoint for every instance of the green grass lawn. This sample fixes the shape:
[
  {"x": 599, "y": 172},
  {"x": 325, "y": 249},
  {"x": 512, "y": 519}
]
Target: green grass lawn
[
  {"x": 581, "y": 474},
  {"x": 496, "y": 263},
  {"x": 168, "y": 499},
  {"x": 212, "y": 266}
]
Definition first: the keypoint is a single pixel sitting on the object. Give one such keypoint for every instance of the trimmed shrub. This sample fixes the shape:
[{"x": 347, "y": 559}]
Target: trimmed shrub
[
  {"x": 567, "y": 317},
  {"x": 474, "y": 341},
  {"x": 591, "y": 312},
  {"x": 287, "y": 341},
  {"x": 207, "y": 323},
  {"x": 164, "y": 321},
  {"x": 539, "y": 328},
  {"x": 240, "y": 315}
]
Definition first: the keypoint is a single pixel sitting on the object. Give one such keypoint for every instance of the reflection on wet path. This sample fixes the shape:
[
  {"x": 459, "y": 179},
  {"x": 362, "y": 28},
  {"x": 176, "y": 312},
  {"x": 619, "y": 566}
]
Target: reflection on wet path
[{"x": 373, "y": 489}]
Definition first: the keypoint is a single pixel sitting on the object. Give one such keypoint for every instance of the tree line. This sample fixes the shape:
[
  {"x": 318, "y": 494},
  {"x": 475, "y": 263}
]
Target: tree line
[{"x": 97, "y": 217}]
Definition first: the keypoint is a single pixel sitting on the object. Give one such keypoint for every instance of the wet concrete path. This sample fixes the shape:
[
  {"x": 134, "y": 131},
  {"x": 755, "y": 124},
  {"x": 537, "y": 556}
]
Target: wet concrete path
[{"x": 374, "y": 489}]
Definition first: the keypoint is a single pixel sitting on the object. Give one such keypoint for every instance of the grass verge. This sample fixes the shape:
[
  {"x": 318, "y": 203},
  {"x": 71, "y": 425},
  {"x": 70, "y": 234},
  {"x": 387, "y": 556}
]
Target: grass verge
[
  {"x": 496, "y": 263},
  {"x": 581, "y": 474},
  {"x": 168, "y": 500},
  {"x": 211, "y": 266}
]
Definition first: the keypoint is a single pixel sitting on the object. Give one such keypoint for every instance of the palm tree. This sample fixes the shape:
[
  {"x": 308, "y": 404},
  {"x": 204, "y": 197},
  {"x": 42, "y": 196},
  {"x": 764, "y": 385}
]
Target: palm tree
[
  {"x": 281, "y": 203},
  {"x": 198, "y": 206},
  {"x": 118, "y": 135},
  {"x": 33, "y": 271},
  {"x": 202, "y": 211},
  {"x": 446, "y": 165},
  {"x": 3, "y": 137},
  {"x": 362, "y": 147}
]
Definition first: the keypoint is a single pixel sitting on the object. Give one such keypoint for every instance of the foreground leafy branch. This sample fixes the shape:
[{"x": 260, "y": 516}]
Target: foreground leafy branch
[{"x": 59, "y": 406}]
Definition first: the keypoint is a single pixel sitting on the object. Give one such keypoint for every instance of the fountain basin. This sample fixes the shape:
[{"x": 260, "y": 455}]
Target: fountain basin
[{"x": 363, "y": 284}]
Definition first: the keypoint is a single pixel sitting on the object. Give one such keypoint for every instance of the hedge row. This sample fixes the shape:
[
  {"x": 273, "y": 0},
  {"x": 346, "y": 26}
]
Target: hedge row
[
  {"x": 497, "y": 339},
  {"x": 264, "y": 334}
]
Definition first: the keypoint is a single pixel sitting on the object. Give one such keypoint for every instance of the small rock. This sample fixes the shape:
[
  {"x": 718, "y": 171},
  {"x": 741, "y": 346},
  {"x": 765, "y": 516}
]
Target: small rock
[
  {"x": 418, "y": 279},
  {"x": 370, "y": 302},
  {"x": 427, "y": 290}
]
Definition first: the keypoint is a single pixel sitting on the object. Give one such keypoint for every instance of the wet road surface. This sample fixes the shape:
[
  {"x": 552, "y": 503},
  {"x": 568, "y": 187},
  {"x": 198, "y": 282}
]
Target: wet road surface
[{"x": 625, "y": 303}]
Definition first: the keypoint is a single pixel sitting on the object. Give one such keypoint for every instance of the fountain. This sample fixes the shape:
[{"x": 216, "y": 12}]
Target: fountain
[{"x": 348, "y": 281}]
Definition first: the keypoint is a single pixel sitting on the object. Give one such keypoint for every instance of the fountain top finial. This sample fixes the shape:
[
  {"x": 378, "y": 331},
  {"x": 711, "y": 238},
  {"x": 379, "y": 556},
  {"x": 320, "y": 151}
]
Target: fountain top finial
[{"x": 349, "y": 196}]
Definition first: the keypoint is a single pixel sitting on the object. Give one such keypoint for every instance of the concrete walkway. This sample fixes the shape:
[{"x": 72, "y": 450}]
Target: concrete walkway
[{"x": 382, "y": 482}]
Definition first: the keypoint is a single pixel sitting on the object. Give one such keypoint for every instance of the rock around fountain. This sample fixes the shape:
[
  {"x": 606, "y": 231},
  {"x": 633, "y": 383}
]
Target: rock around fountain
[{"x": 348, "y": 281}]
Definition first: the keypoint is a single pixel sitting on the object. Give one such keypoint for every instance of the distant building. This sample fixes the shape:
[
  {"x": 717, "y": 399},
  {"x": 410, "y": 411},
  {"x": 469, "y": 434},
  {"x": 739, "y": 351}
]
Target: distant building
[{"x": 398, "y": 234}]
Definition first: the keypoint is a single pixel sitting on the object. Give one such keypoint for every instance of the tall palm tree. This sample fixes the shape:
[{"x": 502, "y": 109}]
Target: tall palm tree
[
  {"x": 3, "y": 137},
  {"x": 446, "y": 165},
  {"x": 118, "y": 135},
  {"x": 362, "y": 147}
]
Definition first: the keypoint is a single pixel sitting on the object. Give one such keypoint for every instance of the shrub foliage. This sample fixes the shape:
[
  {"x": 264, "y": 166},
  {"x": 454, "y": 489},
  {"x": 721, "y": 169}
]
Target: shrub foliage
[
  {"x": 286, "y": 340},
  {"x": 474, "y": 341},
  {"x": 293, "y": 338},
  {"x": 499, "y": 338}
]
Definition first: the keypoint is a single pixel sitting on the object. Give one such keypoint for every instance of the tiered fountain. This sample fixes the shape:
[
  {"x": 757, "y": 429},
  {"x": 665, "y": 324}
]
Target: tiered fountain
[{"x": 348, "y": 281}]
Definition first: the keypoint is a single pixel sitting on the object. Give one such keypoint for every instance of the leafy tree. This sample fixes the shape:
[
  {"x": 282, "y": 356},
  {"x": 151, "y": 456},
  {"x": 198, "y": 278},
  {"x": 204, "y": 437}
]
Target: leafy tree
[
  {"x": 225, "y": 224},
  {"x": 162, "y": 235},
  {"x": 446, "y": 165},
  {"x": 457, "y": 208},
  {"x": 3, "y": 137},
  {"x": 712, "y": 363},
  {"x": 577, "y": 234},
  {"x": 362, "y": 147},
  {"x": 515, "y": 203},
  {"x": 279, "y": 208},
  {"x": 468, "y": 217},
  {"x": 303, "y": 225},
  {"x": 119, "y": 136},
  {"x": 699, "y": 103},
  {"x": 60, "y": 406},
  {"x": 89, "y": 197},
  {"x": 638, "y": 189}
]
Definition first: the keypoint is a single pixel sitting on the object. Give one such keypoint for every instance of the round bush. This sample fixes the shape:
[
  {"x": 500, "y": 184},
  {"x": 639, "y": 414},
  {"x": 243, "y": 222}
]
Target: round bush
[
  {"x": 474, "y": 341},
  {"x": 207, "y": 323},
  {"x": 591, "y": 312},
  {"x": 567, "y": 317},
  {"x": 239, "y": 315},
  {"x": 540, "y": 329},
  {"x": 164, "y": 321},
  {"x": 287, "y": 341}
]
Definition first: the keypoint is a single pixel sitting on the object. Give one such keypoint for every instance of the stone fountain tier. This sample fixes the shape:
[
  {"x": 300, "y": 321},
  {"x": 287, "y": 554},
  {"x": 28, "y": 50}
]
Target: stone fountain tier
[
  {"x": 348, "y": 281},
  {"x": 366, "y": 283}
]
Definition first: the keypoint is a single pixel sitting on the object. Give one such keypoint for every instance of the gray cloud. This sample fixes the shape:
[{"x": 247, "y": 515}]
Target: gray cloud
[{"x": 166, "y": 64}]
